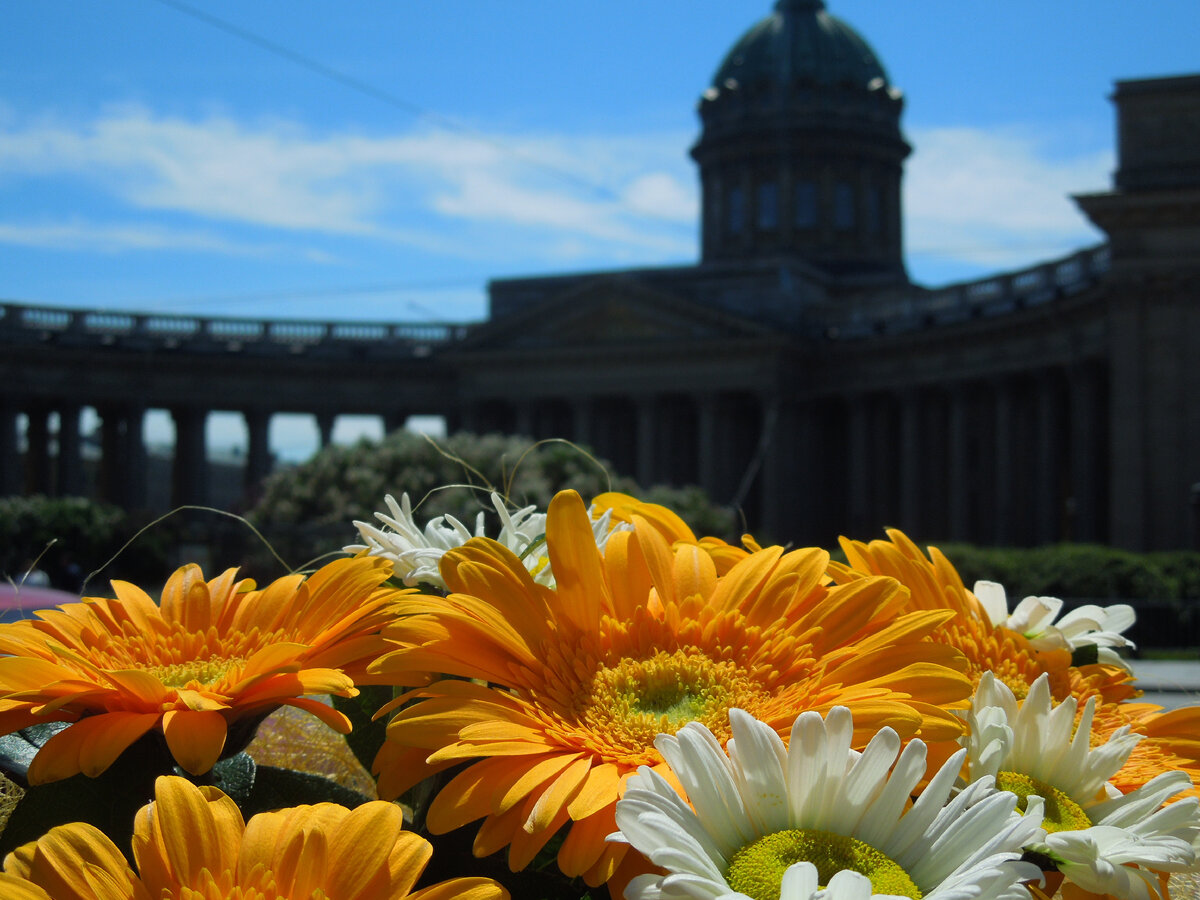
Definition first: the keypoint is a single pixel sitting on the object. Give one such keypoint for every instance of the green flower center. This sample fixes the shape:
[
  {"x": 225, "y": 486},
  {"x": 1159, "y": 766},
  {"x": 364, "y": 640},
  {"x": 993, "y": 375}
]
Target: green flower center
[
  {"x": 203, "y": 673},
  {"x": 1062, "y": 813},
  {"x": 632, "y": 700},
  {"x": 757, "y": 869}
]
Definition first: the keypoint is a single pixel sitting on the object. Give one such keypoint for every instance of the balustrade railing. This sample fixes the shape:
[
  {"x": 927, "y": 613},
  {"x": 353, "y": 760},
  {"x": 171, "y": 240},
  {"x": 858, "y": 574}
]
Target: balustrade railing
[
  {"x": 992, "y": 296},
  {"x": 23, "y": 323}
]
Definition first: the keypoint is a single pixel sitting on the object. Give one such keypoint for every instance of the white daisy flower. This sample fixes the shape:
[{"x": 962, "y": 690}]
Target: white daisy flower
[
  {"x": 1035, "y": 617},
  {"x": 1103, "y": 841},
  {"x": 417, "y": 553},
  {"x": 769, "y": 822}
]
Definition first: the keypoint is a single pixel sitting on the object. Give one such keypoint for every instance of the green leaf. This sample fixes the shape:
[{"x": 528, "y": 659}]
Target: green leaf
[
  {"x": 109, "y": 801},
  {"x": 367, "y": 736}
]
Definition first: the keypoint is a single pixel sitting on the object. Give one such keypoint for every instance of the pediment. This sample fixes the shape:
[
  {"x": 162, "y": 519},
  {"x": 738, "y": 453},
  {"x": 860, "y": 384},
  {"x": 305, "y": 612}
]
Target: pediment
[{"x": 614, "y": 310}]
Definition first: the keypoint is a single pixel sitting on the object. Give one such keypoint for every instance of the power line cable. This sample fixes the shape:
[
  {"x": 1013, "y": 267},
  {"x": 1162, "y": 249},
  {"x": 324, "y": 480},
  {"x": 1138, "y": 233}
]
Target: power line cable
[{"x": 358, "y": 85}]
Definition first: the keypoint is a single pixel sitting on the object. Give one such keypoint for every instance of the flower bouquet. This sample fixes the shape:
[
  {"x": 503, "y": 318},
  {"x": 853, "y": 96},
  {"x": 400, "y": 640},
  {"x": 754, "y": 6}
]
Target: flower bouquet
[{"x": 592, "y": 702}]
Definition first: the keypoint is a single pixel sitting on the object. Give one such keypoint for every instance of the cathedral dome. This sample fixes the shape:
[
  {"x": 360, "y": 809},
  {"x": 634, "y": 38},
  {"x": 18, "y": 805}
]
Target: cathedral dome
[
  {"x": 801, "y": 154},
  {"x": 800, "y": 44}
]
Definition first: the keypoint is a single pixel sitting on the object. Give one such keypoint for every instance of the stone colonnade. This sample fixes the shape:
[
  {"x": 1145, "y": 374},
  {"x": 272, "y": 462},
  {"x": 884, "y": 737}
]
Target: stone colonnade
[
  {"x": 1020, "y": 459},
  {"x": 1008, "y": 460},
  {"x": 54, "y": 458}
]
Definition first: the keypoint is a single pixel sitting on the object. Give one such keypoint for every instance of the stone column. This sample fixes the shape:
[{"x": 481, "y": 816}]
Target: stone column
[
  {"x": 709, "y": 451},
  {"x": 70, "y": 457},
  {"x": 325, "y": 423},
  {"x": 190, "y": 471},
  {"x": 1004, "y": 454},
  {"x": 581, "y": 421},
  {"x": 1047, "y": 497},
  {"x": 37, "y": 450},
  {"x": 911, "y": 488},
  {"x": 258, "y": 453},
  {"x": 135, "y": 457},
  {"x": 524, "y": 418},
  {"x": 647, "y": 441},
  {"x": 789, "y": 459},
  {"x": 858, "y": 464},
  {"x": 123, "y": 456},
  {"x": 959, "y": 468},
  {"x": 11, "y": 477},
  {"x": 395, "y": 419},
  {"x": 1088, "y": 446}
]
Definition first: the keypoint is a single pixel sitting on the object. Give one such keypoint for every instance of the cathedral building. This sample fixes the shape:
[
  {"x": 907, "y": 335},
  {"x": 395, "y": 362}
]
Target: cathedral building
[
  {"x": 794, "y": 372},
  {"x": 797, "y": 372}
]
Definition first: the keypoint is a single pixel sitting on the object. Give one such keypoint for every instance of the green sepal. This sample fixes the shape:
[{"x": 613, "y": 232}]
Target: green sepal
[{"x": 1085, "y": 655}]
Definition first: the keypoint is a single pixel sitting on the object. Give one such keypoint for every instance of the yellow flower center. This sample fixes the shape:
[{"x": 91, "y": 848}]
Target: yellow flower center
[
  {"x": 757, "y": 869},
  {"x": 635, "y": 700},
  {"x": 205, "y": 673},
  {"x": 1062, "y": 813}
]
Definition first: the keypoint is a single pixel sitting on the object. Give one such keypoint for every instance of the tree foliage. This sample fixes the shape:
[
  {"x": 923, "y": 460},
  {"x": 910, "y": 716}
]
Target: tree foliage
[{"x": 308, "y": 509}]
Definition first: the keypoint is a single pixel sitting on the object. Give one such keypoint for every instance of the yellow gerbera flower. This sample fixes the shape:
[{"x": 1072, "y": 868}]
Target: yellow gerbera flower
[
  {"x": 191, "y": 843},
  {"x": 212, "y": 654},
  {"x": 569, "y": 687}
]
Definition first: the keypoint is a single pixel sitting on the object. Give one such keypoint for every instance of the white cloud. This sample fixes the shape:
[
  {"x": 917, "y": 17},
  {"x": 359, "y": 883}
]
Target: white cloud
[
  {"x": 996, "y": 198},
  {"x": 78, "y": 235},
  {"x": 662, "y": 194},
  {"x": 414, "y": 189}
]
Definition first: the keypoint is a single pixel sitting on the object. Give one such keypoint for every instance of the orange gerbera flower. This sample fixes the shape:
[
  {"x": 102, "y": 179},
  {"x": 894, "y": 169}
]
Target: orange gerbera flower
[
  {"x": 934, "y": 583},
  {"x": 569, "y": 687},
  {"x": 1171, "y": 736},
  {"x": 214, "y": 653},
  {"x": 191, "y": 843}
]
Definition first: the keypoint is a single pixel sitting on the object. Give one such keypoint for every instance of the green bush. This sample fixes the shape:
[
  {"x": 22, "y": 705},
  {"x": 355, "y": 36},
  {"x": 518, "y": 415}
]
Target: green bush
[
  {"x": 308, "y": 509},
  {"x": 1080, "y": 571},
  {"x": 68, "y": 536}
]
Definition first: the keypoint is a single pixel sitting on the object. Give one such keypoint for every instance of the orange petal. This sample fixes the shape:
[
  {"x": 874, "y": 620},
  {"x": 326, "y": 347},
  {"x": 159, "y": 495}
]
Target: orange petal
[
  {"x": 323, "y": 711},
  {"x": 195, "y": 738},
  {"x": 360, "y": 849},
  {"x": 94, "y": 742},
  {"x": 462, "y": 889},
  {"x": 578, "y": 567},
  {"x": 184, "y": 830},
  {"x": 64, "y": 855},
  {"x": 555, "y": 798}
]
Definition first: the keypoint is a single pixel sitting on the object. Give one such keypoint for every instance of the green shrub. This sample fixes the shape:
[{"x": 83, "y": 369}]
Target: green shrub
[
  {"x": 308, "y": 509},
  {"x": 68, "y": 536},
  {"x": 1080, "y": 571}
]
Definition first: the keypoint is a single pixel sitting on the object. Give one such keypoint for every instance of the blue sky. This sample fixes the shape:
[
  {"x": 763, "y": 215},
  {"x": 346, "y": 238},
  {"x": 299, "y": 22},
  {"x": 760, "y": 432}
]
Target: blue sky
[{"x": 151, "y": 161}]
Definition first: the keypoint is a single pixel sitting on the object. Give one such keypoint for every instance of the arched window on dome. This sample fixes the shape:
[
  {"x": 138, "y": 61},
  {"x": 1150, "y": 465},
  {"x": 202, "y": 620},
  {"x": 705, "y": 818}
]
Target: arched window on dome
[
  {"x": 768, "y": 206},
  {"x": 804, "y": 204},
  {"x": 843, "y": 206}
]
